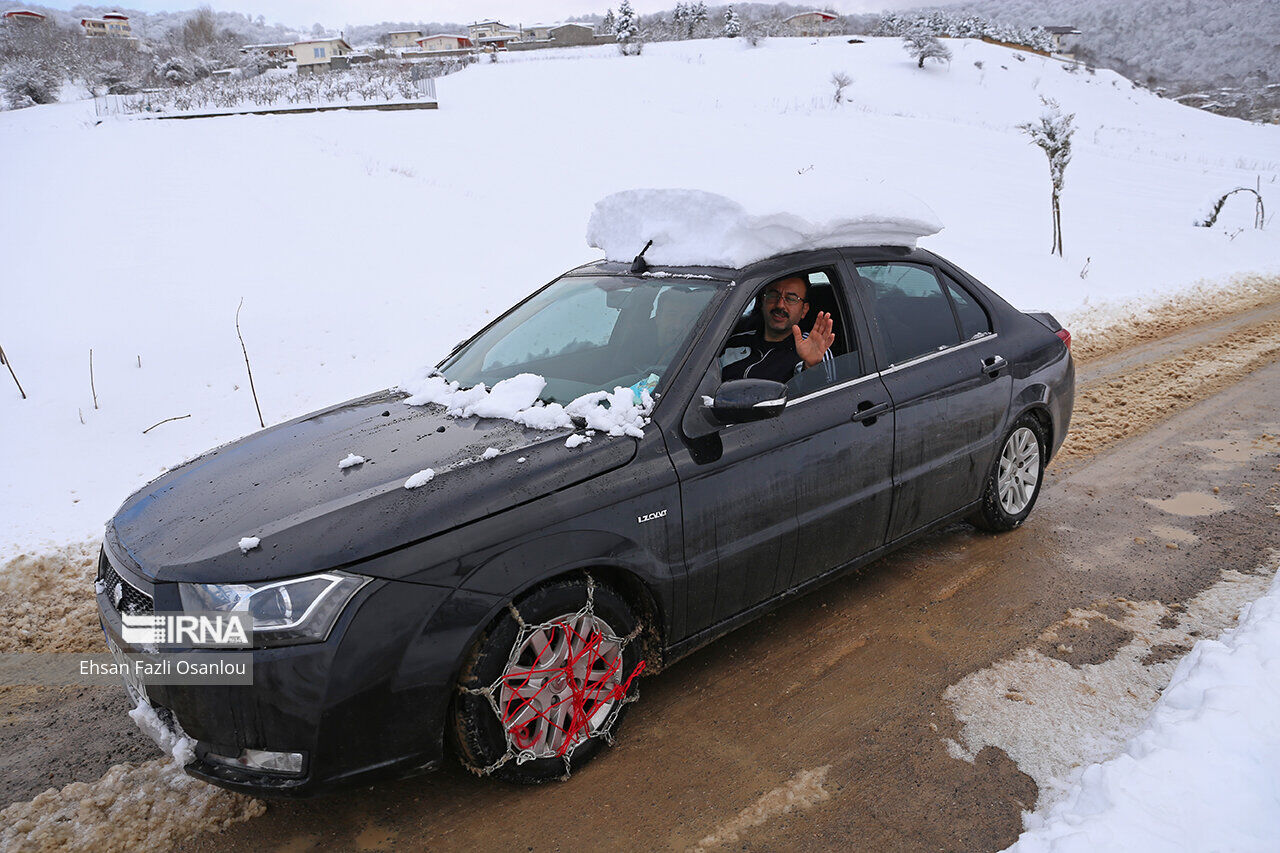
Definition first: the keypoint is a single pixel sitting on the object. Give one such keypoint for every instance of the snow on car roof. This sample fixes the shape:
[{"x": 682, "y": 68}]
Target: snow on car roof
[{"x": 691, "y": 227}]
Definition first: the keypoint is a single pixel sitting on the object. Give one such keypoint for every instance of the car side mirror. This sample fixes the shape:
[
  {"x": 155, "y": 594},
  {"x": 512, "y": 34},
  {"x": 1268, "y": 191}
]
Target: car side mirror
[{"x": 740, "y": 401}]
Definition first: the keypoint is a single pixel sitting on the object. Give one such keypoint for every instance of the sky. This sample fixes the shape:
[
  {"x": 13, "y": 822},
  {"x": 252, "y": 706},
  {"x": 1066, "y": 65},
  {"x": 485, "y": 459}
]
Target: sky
[{"x": 338, "y": 12}]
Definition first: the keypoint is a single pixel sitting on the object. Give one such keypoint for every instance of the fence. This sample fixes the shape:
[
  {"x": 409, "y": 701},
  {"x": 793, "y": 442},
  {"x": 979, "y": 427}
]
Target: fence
[{"x": 359, "y": 87}]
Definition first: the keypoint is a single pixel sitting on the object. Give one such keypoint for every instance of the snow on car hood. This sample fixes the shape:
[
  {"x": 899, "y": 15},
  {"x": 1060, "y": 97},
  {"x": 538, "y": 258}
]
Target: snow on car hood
[
  {"x": 295, "y": 489},
  {"x": 622, "y": 412},
  {"x": 692, "y": 227}
]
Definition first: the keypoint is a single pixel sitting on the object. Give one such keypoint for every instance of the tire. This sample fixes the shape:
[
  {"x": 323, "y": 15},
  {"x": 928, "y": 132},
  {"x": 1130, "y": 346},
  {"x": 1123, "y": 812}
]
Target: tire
[
  {"x": 1009, "y": 493},
  {"x": 550, "y": 728}
]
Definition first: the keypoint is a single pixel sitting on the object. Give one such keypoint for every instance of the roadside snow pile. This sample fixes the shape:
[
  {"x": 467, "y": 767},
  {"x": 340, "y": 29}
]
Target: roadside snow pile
[
  {"x": 516, "y": 399},
  {"x": 691, "y": 227},
  {"x": 152, "y": 806},
  {"x": 48, "y": 601},
  {"x": 1053, "y": 718},
  {"x": 1201, "y": 774}
]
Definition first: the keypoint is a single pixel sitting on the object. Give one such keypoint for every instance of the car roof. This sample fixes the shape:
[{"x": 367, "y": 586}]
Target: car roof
[
  {"x": 603, "y": 267},
  {"x": 729, "y": 274}
]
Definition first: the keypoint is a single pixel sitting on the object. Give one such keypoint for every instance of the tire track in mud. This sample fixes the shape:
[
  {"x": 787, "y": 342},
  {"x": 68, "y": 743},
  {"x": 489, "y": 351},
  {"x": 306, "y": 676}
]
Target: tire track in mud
[
  {"x": 1138, "y": 373},
  {"x": 1132, "y": 376}
]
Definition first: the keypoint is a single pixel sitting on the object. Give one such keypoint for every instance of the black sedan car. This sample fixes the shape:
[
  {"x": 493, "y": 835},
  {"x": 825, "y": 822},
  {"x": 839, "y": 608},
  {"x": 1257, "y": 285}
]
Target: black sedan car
[{"x": 440, "y": 572}]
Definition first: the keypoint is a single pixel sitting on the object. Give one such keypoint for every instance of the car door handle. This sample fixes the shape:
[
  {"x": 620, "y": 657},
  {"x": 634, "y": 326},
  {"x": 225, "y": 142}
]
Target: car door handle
[
  {"x": 993, "y": 365},
  {"x": 868, "y": 412}
]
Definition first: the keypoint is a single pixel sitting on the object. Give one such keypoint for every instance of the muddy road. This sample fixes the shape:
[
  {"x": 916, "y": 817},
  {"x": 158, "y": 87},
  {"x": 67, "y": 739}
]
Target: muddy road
[{"x": 882, "y": 711}]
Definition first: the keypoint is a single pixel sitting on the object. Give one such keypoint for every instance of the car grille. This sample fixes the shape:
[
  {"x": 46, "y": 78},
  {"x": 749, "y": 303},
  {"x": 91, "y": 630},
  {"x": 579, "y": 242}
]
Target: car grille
[{"x": 126, "y": 597}]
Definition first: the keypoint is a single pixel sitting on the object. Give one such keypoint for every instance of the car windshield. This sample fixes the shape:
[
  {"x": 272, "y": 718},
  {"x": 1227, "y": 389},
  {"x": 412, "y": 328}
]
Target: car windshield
[{"x": 585, "y": 334}]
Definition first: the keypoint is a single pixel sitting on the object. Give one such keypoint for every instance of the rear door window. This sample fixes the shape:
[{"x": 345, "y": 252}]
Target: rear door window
[
  {"x": 911, "y": 309},
  {"x": 974, "y": 322}
]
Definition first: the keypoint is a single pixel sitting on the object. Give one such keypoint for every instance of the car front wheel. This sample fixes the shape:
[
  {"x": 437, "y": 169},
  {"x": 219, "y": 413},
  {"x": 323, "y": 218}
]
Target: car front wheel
[
  {"x": 1013, "y": 484},
  {"x": 547, "y": 684}
]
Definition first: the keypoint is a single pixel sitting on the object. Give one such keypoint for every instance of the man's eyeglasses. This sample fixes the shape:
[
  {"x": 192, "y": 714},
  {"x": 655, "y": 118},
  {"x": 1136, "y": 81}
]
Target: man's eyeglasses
[{"x": 789, "y": 298}]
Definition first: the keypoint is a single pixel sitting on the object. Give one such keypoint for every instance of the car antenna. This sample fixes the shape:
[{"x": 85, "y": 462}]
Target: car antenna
[{"x": 639, "y": 265}]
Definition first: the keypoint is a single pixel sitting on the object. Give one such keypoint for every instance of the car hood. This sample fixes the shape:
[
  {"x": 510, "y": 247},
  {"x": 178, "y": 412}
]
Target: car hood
[{"x": 283, "y": 485}]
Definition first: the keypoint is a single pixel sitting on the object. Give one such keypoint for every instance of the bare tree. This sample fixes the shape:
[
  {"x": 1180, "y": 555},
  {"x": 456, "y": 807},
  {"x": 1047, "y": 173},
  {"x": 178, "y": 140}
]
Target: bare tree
[
  {"x": 200, "y": 30},
  {"x": 922, "y": 45},
  {"x": 5, "y": 361},
  {"x": 1259, "y": 210},
  {"x": 841, "y": 81},
  {"x": 248, "y": 367},
  {"x": 1052, "y": 133}
]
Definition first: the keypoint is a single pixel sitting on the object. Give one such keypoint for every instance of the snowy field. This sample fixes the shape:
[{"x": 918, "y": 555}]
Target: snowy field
[{"x": 364, "y": 245}]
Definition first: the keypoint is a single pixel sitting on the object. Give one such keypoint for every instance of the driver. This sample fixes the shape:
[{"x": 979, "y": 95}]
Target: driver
[{"x": 780, "y": 350}]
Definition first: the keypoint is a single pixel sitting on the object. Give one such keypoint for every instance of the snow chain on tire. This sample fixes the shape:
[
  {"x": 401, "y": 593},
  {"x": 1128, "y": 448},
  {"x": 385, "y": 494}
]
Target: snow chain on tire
[{"x": 578, "y": 732}]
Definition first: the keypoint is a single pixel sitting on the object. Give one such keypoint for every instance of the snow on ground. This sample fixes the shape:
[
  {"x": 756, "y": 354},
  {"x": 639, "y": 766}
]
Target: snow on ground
[
  {"x": 151, "y": 806},
  {"x": 366, "y": 244},
  {"x": 1201, "y": 772},
  {"x": 1054, "y": 719}
]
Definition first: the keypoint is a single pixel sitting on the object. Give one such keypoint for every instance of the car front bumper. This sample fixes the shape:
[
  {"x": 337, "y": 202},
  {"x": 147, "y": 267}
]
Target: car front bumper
[{"x": 369, "y": 701}]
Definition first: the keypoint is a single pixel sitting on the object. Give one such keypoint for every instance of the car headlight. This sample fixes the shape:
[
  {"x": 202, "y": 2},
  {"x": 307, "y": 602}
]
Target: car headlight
[{"x": 298, "y": 610}]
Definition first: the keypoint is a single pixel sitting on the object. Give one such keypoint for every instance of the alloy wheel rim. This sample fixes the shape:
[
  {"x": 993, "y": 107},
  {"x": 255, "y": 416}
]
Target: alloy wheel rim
[
  {"x": 560, "y": 685},
  {"x": 1019, "y": 470}
]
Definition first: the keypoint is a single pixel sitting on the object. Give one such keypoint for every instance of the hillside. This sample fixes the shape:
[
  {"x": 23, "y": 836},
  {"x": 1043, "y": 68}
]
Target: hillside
[
  {"x": 1183, "y": 46},
  {"x": 367, "y": 244}
]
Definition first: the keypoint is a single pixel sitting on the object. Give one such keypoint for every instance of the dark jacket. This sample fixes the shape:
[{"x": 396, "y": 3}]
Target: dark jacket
[{"x": 748, "y": 355}]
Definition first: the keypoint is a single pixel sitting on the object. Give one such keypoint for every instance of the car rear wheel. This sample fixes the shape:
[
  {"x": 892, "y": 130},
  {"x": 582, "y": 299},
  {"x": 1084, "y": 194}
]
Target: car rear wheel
[
  {"x": 548, "y": 683},
  {"x": 1013, "y": 484}
]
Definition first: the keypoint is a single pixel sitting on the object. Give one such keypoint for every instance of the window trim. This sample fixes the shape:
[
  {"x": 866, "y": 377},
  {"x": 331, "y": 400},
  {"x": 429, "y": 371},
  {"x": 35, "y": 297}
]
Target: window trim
[
  {"x": 840, "y": 386},
  {"x": 830, "y": 389},
  {"x": 893, "y": 368}
]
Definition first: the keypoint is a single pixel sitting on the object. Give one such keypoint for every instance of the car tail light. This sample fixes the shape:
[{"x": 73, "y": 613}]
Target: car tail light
[{"x": 1065, "y": 336}]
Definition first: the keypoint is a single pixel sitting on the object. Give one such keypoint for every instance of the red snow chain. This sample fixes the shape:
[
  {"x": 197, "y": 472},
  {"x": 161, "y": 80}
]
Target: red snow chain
[{"x": 569, "y": 702}]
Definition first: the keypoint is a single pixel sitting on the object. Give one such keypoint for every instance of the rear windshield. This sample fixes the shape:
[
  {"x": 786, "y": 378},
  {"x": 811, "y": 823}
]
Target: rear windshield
[{"x": 585, "y": 334}]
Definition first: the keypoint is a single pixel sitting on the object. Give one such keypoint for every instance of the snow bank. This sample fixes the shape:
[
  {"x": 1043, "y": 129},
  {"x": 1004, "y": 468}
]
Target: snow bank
[
  {"x": 692, "y": 227},
  {"x": 48, "y": 602},
  {"x": 152, "y": 806},
  {"x": 1201, "y": 775},
  {"x": 516, "y": 399}
]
